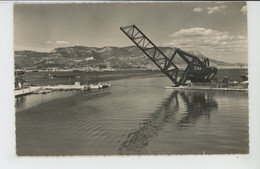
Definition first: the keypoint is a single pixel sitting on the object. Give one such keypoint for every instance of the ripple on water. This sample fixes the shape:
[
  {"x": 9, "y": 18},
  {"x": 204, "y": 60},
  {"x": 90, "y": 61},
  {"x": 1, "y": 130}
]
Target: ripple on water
[{"x": 134, "y": 117}]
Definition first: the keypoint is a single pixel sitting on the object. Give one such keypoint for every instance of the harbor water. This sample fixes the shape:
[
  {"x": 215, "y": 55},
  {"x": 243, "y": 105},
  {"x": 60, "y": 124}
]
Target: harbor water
[{"x": 136, "y": 116}]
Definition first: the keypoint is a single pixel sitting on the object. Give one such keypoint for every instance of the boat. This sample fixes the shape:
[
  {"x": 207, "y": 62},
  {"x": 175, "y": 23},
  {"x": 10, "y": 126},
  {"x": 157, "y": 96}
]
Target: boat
[
  {"x": 96, "y": 86},
  {"x": 85, "y": 88},
  {"x": 105, "y": 85}
]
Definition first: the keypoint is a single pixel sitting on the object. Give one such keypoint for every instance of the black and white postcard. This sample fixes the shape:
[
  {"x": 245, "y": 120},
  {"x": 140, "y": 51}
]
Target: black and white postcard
[{"x": 131, "y": 79}]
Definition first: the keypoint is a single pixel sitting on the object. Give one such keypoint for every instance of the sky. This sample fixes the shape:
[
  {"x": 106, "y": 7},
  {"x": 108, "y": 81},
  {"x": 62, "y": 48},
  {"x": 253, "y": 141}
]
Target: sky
[{"x": 216, "y": 29}]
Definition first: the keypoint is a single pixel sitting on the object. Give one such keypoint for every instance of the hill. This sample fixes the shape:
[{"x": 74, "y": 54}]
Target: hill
[{"x": 90, "y": 57}]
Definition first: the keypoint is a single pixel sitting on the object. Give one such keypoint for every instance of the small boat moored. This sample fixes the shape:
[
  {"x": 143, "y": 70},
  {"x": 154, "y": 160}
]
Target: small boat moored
[
  {"x": 96, "y": 86},
  {"x": 105, "y": 85},
  {"x": 99, "y": 85}
]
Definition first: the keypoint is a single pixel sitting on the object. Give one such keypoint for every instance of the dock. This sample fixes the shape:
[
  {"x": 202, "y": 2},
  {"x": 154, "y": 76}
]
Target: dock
[
  {"x": 241, "y": 86},
  {"x": 49, "y": 89},
  {"x": 205, "y": 88},
  {"x": 66, "y": 87},
  {"x": 26, "y": 91}
]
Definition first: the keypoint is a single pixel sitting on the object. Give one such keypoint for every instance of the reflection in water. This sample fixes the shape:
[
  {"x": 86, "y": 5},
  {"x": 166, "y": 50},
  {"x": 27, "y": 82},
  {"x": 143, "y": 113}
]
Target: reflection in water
[
  {"x": 20, "y": 100},
  {"x": 138, "y": 139},
  {"x": 198, "y": 104},
  {"x": 28, "y": 101}
]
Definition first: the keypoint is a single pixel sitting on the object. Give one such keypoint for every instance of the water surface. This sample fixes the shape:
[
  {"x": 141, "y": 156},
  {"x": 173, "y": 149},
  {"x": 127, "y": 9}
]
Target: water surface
[{"x": 134, "y": 116}]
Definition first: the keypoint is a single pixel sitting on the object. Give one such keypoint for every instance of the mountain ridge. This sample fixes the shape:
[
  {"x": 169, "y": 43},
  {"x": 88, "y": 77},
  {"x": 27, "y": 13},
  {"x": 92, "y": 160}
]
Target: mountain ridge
[{"x": 129, "y": 57}]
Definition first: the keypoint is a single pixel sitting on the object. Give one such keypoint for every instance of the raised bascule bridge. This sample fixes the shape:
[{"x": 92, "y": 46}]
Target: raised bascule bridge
[{"x": 195, "y": 70}]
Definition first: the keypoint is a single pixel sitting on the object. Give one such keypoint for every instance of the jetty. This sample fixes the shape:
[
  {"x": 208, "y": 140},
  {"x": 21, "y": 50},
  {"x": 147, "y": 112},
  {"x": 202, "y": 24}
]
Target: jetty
[
  {"x": 49, "y": 89},
  {"x": 66, "y": 87},
  {"x": 205, "y": 88},
  {"x": 77, "y": 86},
  {"x": 243, "y": 86},
  {"x": 26, "y": 91}
]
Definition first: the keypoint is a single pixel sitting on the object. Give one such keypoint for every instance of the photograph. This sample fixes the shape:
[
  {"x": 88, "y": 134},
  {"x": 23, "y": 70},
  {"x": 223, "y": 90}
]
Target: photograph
[{"x": 131, "y": 79}]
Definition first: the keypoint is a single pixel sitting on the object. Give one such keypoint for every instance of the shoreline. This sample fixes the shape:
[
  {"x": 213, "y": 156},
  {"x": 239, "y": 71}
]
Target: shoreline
[
  {"x": 69, "y": 78},
  {"x": 85, "y": 78}
]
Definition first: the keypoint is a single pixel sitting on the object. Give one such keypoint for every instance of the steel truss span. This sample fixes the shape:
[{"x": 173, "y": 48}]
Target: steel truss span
[{"x": 194, "y": 69}]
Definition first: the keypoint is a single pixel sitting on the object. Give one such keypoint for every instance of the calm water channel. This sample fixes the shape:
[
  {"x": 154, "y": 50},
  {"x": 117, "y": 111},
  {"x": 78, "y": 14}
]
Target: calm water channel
[{"x": 134, "y": 116}]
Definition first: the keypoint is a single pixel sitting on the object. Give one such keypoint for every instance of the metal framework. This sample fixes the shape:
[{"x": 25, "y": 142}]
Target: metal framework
[{"x": 195, "y": 69}]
